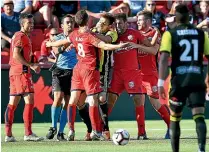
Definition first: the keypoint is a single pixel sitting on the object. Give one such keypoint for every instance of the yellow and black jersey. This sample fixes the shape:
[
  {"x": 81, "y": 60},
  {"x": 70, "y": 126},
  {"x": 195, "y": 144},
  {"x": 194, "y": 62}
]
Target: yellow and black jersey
[
  {"x": 105, "y": 56},
  {"x": 187, "y": 45}
]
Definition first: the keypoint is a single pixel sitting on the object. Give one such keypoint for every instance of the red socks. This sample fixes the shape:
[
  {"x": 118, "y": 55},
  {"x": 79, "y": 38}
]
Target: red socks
[
  {"x": 140, "y": 118},
  {"x": 164, "y": 114},
  {"x": 28, "y": 118},
  {"x": 71, "y": 113},
  {"x": 9, "y": 117},
  {"x": 95, "y": 118}
]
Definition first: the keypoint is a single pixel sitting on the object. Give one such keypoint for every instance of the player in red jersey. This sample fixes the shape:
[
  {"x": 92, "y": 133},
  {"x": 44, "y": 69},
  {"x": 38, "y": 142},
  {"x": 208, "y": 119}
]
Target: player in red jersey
[
  {"x": 86, "y": 75},
  {"x": 126, "y": 69},
  {"x": 149, "y": 71},
  {"x": 21, "y": 80}
]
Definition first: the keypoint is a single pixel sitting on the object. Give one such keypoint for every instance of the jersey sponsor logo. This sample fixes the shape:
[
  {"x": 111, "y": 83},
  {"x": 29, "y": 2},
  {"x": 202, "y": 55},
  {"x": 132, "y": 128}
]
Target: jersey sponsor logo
[
  {"x": 131, "y": 84},
  {"x": 130, "y": 37},
  {"x": 188, "y": 69},
  {"x": 187, "y": 32},
  {"x": 154, "y": 88},
  {"x": 141, "y": 53}
]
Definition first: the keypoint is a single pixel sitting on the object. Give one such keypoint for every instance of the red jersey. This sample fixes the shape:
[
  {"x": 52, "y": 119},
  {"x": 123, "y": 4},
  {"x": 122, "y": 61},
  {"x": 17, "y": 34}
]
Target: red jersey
[
  {"x": 22, "y": 41},
  {"x": 147, "y": 61},
  {"x": 88, "y": 54},
  {"x": 127, "y": 59}
]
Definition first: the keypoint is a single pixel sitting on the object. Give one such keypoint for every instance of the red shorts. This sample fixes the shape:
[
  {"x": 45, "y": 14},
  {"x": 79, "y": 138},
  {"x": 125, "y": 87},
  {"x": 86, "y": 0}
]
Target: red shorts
[
  {"x": 88, "y": 80},
  {"x": 149, "y": 85},
  {"x": 129, "y": 80},
  {"x": 21, "y": 84}
]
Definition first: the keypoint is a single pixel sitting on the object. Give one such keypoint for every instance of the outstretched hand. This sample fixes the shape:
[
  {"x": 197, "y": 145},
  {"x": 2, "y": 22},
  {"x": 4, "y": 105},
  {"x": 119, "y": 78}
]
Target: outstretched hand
[{"x": 161, "y": 92}]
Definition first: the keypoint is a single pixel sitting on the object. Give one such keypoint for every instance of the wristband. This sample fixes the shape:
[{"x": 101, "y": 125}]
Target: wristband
[{"x": 160, "y": 83}]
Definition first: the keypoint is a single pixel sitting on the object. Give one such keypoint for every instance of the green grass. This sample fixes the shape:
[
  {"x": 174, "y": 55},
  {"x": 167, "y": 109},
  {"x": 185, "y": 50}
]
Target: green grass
[{"x": 155, "y": 131}]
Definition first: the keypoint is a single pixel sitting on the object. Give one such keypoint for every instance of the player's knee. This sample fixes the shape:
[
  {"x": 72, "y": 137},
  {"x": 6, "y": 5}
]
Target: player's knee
[
  {"x": 175, "y": 105},
  {"x": 92, "y": 100},
  {"x": 138, "y": 100},
  {"x": 155, "y": 103},
  {"x": 102, "y": 97},
  {"x": 112, "y": 98}
]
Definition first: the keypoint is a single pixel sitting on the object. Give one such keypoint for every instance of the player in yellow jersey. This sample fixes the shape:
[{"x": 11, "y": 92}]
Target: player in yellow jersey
[{"x": 186, "y": 44}]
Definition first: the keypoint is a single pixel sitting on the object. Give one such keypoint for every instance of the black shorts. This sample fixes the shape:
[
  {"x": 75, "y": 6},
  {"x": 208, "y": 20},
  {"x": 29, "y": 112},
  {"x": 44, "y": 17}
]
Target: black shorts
[
  {"x": 105, "y": 78},
  {"x": 61, "y": 80},
  {"x": 195, "y": 96}
]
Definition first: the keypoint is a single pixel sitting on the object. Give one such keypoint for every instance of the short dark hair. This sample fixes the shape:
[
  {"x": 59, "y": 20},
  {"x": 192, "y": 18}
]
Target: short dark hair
[
  {"x": 109, "y": 17},
  {"x": 121, "y": 16},
  {"x": 182, "y": 13},
  {"x": 66, "y": 16},
  {"x": 81, "y": 18},
  {"x": 24, "y": 16},
  {"x": 146, "y": 14}
]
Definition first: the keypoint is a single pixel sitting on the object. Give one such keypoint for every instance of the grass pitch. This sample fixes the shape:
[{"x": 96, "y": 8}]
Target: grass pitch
[{"x": 155, "y": 131}]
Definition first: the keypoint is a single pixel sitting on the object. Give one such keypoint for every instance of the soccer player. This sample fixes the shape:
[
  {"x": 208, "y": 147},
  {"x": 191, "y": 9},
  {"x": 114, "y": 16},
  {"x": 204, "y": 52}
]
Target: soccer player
[
  {"x": 85, "y": 74},
  {"x": 126, "y": 68},
  {"x": 104, "y": 31},
  {"x": 186, "y": 44},
  {"x": 61, "y": 80},
  {"x": 149, "y": 72},
  {"x": 21, "y": 80}
]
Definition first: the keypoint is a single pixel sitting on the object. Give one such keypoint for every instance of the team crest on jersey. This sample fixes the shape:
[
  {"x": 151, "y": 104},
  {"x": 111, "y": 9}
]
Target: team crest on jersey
[
  {"x": 130, "y": 37},
  {"x": 131, "y": 84},
  {"x": 154, "y": 88}
]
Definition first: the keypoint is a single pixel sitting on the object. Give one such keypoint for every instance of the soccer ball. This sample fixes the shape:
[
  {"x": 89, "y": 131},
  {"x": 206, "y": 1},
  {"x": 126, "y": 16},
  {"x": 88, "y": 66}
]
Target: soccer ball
[{"x": 121, "y": 137}]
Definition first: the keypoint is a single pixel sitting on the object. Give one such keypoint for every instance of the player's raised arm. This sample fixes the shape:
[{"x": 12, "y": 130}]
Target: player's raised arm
[
  {"x": 64, "y": 42},
  {"x": 111, "y": 47},
  {"x": 151, "y": 50}
]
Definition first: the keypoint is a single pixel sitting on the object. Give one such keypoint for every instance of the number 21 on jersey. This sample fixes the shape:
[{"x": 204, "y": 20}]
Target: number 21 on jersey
[
  {"x": 80, "y": 50},
  {"x": 188, "y": 48}
]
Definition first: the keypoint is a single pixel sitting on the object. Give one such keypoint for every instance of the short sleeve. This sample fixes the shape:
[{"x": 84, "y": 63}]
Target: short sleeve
[
  {"x": 113, "y": 35},
  {"x": 44, "y": 50},
  {"x": 93, "y": 40},
  {"x": 166, "y": 42},
  {"x": 206, "y": 44},
  {"x": 18, "y": 41}
]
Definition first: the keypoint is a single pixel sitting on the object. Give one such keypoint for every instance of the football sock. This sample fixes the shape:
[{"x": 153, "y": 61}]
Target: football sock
[
  {"x": 63, "y": 120},
  {"x": 84, "y": 114},
  {"x": 140, "y": 118},
  {"x": 104, "y": 116},
  {"x": 55, "y": 113},
  {"x": 28, "y": 118},
  {"x": 175, "y": 132},
  {"x": 164, "y": 115},
  {"x": 95, "y": 119},
  {"x": 71, "y": 113},
  {"x": 201, "y": 131},
  {"x": 9, "y": 117}
]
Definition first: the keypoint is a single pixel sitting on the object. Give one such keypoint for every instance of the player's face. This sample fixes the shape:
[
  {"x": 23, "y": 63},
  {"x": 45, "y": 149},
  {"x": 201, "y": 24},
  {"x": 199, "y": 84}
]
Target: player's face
[
  {"x": 120, "y": 26},
  {"x": 68, "y": 24},
  {"x": 28, "y": 24},
  {"x": 103, "y": 25},
  {"x": 141, "y": 22}
]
